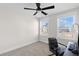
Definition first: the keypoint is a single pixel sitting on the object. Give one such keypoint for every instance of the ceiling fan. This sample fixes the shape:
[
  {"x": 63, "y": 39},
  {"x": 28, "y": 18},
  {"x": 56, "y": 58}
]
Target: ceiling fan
[{"x": 40, "y": 9}]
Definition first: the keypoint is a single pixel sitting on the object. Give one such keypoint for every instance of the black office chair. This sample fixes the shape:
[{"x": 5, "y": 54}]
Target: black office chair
[{"x": 54, "y": 48}]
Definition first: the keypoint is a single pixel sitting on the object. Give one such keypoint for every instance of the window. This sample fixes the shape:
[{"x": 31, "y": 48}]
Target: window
[
  {"x": 65, "y": 23},
  {"x": 65, "y": 27},
  {"x": 44, "y": 26}
]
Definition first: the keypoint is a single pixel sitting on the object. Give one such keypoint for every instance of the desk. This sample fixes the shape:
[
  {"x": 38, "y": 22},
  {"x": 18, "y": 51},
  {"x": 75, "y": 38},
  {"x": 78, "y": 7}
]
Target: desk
[{"x": 67, "y": 52}]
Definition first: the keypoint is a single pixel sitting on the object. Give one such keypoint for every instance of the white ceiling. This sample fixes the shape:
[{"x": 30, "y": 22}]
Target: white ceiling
[{"x": 59, "y": 7}]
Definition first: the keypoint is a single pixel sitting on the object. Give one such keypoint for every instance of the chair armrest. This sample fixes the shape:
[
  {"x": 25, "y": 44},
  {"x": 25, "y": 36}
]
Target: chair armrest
[{"x": 62, "y": 44}]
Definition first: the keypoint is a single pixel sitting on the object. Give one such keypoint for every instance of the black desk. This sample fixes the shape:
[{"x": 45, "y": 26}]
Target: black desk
[{"x": 68, "y": 52}]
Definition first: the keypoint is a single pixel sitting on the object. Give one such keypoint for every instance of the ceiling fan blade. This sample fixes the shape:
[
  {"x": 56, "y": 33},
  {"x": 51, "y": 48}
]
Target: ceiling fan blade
[
  {"x": 50, "y": 7},
  {"x": 29, "y": 9},
  {"x": 38, "y": 5},
  {"x": 43, "y": 12},
  {"x": 35, "y": 13}
]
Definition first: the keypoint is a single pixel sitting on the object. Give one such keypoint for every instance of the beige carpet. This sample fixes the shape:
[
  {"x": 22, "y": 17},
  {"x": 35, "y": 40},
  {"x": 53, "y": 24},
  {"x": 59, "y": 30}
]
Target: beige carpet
[{"x": 35, "y": 49}]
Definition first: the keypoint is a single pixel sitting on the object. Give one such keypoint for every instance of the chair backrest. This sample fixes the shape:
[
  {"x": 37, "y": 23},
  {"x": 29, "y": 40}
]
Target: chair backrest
[{"x": 53, "y": 44}]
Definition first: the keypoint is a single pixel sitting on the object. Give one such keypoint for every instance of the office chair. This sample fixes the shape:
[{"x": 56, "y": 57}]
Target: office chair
[{"x": 54, "y": 48}]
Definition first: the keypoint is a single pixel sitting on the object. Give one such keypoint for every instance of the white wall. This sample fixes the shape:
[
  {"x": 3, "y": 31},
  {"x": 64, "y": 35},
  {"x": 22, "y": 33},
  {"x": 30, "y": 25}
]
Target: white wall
[
  {"x": 52, "y": 28},
  {"x": 17, "y": 27},
  {"x": 77, "y": 16}
]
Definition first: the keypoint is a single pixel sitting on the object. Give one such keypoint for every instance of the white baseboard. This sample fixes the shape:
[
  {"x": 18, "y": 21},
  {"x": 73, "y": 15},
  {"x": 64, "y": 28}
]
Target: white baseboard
[
  {"x": 16, "y": 47},
  {"x": 44, "y": 41}
]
